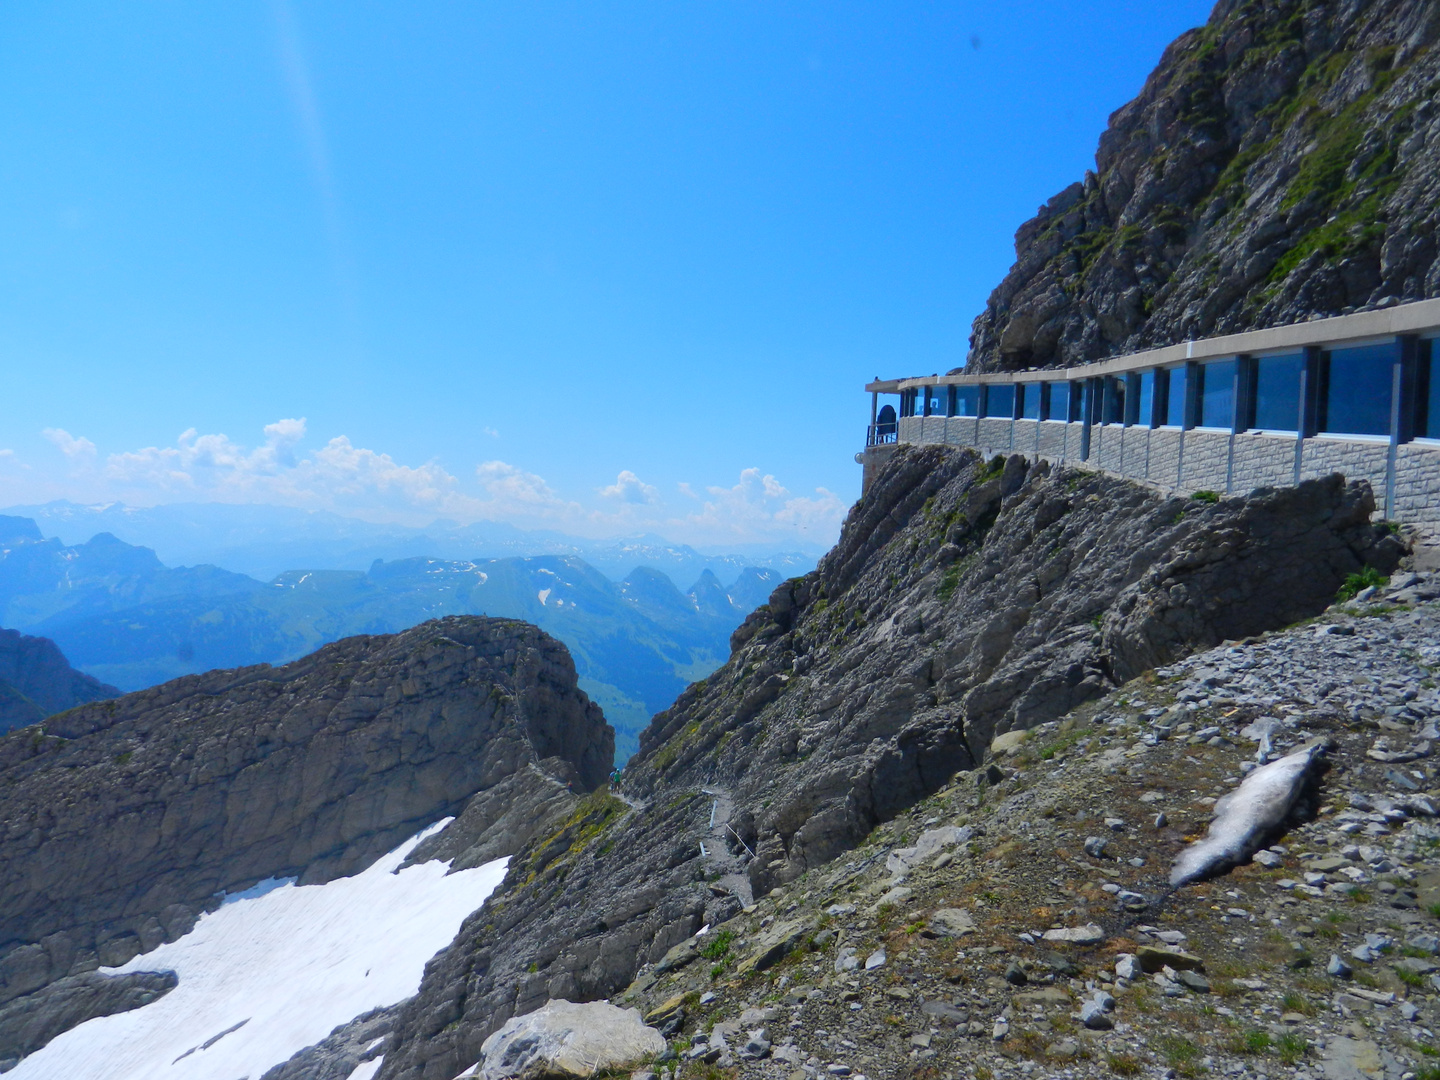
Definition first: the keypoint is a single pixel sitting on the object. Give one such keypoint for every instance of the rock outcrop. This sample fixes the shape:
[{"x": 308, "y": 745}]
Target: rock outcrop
[
  {"x": 567, "y": 1041},
  {"x": 36, "y": 681},
  {"x": 1281, "y": 161},
  {"x": 124, "y": 819},
  {"x": 964, "y": 599}
]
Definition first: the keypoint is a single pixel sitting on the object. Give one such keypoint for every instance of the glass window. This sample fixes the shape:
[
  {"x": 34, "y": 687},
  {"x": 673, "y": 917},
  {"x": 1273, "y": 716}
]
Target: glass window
[
  {"x": 967, "y": 401},
  {"x": 1114, "y": 405},
  {"x": 1355, "y": 390},
  {"x": 1428, "y": 422},
  {"x": 1145, "y": 399},
  {"x": 1029, "y": 400},
  {"x": 1058, "y": 407},
  {"x": 1000, "y": 400},
  {"x": 1277, "y": 392},
  {"x": 1217, "y": 394},
  {"x": 935, "y": 400},
  {"x": 1175, "y": 397}
]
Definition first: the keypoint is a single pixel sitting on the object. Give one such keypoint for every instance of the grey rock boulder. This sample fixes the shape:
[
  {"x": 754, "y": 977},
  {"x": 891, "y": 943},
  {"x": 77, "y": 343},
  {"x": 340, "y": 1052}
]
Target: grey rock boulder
[{"x": 565, "y": 1040}]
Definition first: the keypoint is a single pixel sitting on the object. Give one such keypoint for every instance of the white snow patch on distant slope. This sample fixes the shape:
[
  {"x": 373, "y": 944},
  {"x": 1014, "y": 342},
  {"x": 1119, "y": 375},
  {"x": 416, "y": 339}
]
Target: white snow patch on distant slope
[{"x": 276, "y": 973}]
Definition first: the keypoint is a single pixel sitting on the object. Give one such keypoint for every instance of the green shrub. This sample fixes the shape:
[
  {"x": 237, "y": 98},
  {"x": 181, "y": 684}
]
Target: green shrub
[
  {"x": 1206, "y": 496},
  {"x": 1366, "y": 578}
]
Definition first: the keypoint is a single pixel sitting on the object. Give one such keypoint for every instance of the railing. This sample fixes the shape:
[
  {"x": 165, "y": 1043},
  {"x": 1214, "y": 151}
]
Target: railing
[{"x": 880, "y": 434}]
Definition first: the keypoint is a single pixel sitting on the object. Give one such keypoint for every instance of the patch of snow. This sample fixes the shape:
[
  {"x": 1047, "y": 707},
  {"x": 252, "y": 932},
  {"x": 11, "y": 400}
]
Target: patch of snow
[
  {"x": 1245, "y": 816},
  {"x": 366, "y": 1069},
  {"x": 269, "y": 974},
  {"x": 543, "y": 593}
]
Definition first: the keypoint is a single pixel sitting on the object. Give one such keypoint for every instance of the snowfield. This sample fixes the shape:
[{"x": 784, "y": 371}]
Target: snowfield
[{"x": 273, "y": 971}]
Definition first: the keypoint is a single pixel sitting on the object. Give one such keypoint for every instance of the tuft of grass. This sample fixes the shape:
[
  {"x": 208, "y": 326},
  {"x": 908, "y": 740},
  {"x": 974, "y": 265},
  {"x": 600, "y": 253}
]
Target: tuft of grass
[
  {"x": 1123, "y": 1064},
  {"x": 1295, "y": 1002},
  {"x": 718, "y": 947},
  {"x": 1206, "y": 496},
  {"x": 1290, "y": 1047},
  {"x": 1252, "y": 1042},
  {"x": 1178, "y": 1051},
  {"x": 949, "y": 583}
]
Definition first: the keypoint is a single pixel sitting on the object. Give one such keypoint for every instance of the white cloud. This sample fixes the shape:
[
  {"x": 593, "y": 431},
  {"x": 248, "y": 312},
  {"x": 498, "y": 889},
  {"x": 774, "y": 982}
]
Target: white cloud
[
  {"x": 354, "y": 480},
  {"x": 629, "y": 488},
  {"x": 759, "y": 507},
  {"x": 77, "y": 450}
]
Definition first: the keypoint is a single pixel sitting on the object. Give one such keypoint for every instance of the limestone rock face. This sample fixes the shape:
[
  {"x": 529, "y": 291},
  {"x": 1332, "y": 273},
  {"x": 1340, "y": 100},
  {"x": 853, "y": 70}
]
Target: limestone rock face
[
  {"x": 564, "y": 1040},
  {"x": 124, "y": 819},
  {"x": 963, "y": 600},
  {"x": 36, "y": 681},
  {"x": 1282, "y": 160}
]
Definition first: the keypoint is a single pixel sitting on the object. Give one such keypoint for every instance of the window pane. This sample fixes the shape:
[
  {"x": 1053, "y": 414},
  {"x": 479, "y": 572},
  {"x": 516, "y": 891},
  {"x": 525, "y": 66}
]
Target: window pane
[
  {"x": 1001, "y": 400},
  {"x": 1029, "y": 400},
  {"x": 1357, "y": 390},
  {"x": 1059, "y": 402},
  {"x": 967, "y": 401},
  {"x": 1277, "y": 391},
  {"x": 1147, "y": 398},
  {"x": 1217, "y": 394},
  {"x": 1175, "y": 400},
  {"x": 1114, "y": 404},
  {"x": 1428, "y": 357}
]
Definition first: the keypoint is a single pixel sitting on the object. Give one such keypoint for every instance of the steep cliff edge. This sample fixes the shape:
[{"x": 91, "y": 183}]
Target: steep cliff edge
[
  {"x": 124, "y": 819},
  {"x": 36, "y": 680},
  {"x": 963, "y": 598},
  {"x": 1281, "y": 161}
]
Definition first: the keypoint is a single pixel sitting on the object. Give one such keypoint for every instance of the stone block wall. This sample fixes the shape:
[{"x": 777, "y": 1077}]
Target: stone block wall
[
  {"x": 995, "y": 434},
  {"x": 1261, "y": 461},
  {"x": 1205, "y": 458},
  {"x": 1164, "y": 466},
  {"x": 1054, "y": 440},
  {"x": 1358, "y": 460},
  {"x": 1196, "y": 460},
  {"x": 1417, "y": 484}
]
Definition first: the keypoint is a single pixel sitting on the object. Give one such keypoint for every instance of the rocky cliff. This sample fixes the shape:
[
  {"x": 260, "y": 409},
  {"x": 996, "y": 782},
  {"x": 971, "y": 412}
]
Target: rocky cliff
[
  {"x": 36, "y": 680},
  {"x": 964, "y": 598},
  {"x": 124, "y": 819},
  {"x": 1282, "y": 161}
]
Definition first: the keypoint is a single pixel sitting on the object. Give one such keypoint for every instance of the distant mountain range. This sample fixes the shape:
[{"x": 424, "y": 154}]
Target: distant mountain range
[
  {"x": 122, "y": 616},
  {"x": 264, "y": 541}
]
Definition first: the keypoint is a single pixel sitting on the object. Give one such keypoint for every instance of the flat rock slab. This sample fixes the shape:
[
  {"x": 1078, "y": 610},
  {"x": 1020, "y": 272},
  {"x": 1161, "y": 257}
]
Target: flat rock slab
[
  {"x": 1358, "y": 1059},
  {"x": 1153, "y": 959},
  {"x": 1089, "y": 934},
  {"x": 952, "y": 922},
  {"x": 564, "y": 1040},
  {"x": 773, "y": 946}
]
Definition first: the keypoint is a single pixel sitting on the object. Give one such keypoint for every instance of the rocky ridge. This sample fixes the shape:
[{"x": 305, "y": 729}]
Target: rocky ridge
[
  {"x": 126, "y": 818},
  {"x": 1282, "y": 162},
  {"x": 965, "y": 600},
  {"x": 1019, "y": 921}
]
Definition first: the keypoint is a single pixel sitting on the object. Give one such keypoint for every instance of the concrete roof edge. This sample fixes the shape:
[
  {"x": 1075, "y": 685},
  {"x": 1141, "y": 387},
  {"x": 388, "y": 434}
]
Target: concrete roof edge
[{"x": 1415, "y": 317}]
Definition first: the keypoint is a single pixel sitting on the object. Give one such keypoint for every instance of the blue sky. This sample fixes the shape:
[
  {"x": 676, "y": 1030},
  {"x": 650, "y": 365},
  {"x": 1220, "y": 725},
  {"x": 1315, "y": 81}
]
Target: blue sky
[{"x": 603, "y": 267}]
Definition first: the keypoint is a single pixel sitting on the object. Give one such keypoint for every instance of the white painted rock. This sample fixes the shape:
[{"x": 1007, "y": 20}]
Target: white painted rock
[{"x": 564, "y": 1039}]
